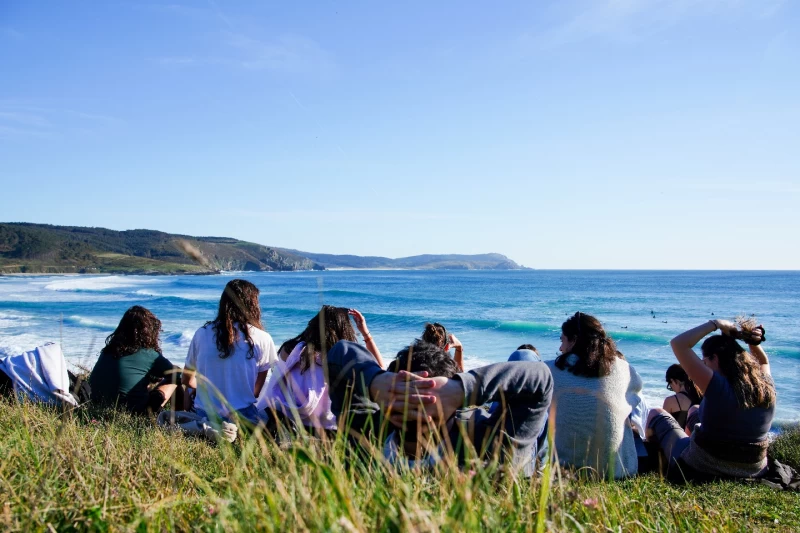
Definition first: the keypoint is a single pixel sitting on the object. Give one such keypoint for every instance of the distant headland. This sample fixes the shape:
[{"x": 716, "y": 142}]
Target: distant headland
[{"x": 27, "y": 248}]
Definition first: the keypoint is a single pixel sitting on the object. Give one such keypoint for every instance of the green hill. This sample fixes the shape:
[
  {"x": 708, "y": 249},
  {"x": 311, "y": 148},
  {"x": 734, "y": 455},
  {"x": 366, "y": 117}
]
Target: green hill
[
  {"x": 44, "y": 249},
  {"x": 429, "y": 261},
  {"x": 40, "y": 248}
]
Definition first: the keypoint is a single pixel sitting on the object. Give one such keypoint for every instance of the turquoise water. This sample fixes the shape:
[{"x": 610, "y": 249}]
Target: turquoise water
[{"x": 491, "y": 312}]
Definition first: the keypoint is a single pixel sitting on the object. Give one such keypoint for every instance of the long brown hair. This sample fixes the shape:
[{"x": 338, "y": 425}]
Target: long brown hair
[
  {"x": 596, "y": 351},
  {"x": 329, "y": 326},
  {"x": 138, "y": 329},
  {"x": 238, "y": 306},
  {"x": 752, "y": 387}
]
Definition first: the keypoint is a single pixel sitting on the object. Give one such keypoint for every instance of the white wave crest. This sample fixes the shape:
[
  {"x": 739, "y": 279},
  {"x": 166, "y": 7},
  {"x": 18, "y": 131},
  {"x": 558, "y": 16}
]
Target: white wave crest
[
  {"x": 99, "y": 283},
  {"x": 181, "y": 339},
  {"x": 183, "y": 295},
  {"x": 11, "y": 320},
  {"x": 76, "y": 320}
]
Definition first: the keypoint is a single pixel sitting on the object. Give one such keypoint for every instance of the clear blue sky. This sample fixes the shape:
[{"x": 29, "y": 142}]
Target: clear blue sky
[{"x": 590, "y": 134}]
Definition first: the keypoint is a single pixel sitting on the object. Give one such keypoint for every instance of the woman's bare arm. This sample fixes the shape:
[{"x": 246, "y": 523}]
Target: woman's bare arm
[
  {"x": 458, "y": 356},
  {"x": 261, "y": 378},
  {"x": 369, "y": 342},
  {"x": 761, "y": 356},
  {"x": 682, "y": 348}
]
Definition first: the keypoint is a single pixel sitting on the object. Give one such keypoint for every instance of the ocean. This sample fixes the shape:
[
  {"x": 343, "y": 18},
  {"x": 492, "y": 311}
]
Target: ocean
[{"x": 492, "y": 312}]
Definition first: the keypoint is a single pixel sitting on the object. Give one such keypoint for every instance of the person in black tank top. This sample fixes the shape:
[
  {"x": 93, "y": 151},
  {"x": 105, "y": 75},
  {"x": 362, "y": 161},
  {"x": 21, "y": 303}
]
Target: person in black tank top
[{"x": 686, "y": 394}]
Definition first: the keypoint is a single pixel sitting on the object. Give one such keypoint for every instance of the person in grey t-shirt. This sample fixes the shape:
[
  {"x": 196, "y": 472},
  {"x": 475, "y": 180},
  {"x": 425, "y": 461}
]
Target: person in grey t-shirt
[
  {"x": 428, "y": 394},
  {"x": 735, "y": 414}
]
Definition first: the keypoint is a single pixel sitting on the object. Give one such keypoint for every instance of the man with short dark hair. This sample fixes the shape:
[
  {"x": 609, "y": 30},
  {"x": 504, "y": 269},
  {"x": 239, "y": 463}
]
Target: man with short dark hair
[{"x": 425, "y": 397}]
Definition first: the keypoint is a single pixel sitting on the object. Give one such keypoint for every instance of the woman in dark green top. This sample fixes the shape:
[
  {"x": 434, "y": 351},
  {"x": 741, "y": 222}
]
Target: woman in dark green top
[{"x": 131, "y": 362}]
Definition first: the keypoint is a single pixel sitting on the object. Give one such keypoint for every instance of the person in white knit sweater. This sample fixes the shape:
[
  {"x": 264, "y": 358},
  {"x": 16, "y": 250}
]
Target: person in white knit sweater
[{"x": 594, "y": 393}]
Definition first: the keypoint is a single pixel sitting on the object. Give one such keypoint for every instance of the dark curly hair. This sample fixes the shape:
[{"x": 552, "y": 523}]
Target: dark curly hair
[
  {"x": 138, "y": 329},
  {"x": 435, "y": 334},
  {"x": 596, "y": 351},
  {"x": 752, "y": 387},
  {"x": 329, "y": 326},
  {"x": 424, "y": 356},
  {"x": 238, "y": 308}
]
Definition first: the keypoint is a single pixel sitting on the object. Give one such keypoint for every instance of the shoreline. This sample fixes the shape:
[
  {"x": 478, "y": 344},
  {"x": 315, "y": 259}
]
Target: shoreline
[{"x": 228, "y": 272}]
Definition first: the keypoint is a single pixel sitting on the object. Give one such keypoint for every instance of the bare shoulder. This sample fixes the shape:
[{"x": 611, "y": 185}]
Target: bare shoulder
[{"x": 671, "y": 404}]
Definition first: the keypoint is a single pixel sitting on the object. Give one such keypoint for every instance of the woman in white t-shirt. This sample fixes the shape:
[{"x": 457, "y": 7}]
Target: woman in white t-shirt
[{"x": 229, "y": 357}]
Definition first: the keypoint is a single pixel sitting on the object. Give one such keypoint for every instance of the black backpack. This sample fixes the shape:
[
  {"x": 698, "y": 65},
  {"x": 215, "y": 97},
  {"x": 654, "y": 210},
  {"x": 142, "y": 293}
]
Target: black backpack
[{"x": 79, "y": 387}]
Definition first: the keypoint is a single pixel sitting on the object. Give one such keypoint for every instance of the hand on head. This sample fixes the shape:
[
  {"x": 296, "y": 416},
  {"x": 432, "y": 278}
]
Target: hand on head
[
  {"x": 453, "y": 341},
  {"x": 361, "y": 322},
  {"x": 725, "y": 326},
  {"x": 409, "y": 397}
]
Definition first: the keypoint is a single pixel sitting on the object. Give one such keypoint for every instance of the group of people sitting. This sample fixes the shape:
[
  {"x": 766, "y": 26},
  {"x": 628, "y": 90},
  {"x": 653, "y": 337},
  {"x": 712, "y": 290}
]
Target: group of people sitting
[{"x": 585, "y": 408}]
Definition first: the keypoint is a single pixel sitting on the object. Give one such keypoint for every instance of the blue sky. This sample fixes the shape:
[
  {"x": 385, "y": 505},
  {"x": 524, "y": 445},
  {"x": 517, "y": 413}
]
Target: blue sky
[{"x": 588, "y": 134}]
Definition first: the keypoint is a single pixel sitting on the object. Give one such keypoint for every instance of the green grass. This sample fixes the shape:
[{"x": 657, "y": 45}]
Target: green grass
[
  {"x": 787, "y": 448},
  {"x": 106, "y": 471}
]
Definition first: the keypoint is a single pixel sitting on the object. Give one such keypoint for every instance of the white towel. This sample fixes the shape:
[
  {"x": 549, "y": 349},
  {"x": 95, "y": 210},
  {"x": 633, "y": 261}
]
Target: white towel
[{"x": 40, "y": 374}]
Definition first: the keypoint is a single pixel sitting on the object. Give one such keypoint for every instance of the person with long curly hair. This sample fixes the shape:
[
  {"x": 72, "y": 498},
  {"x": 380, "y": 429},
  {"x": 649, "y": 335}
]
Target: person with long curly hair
[
  {"x": 595, "y": 391},
  {"x": 297, "y": 392},
  {"x": 130, "y": 362},
  {"x": 735, "y": 415},
  {"x": 230, "y": 356}
]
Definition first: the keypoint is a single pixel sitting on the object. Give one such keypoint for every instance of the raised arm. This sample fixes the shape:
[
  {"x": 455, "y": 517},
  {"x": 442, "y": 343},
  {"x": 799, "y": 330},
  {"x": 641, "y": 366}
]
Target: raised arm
[
  {"x": 693, "y": 365},
  {"x": 369, "y": 342},
  {"x": 458, "y": 357},
  {"x": 758, "y": 352}
]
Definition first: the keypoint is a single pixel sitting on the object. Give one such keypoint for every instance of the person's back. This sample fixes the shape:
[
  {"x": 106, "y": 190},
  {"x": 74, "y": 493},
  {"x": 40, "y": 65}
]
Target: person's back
[
  {"x": 124, "y": 380},
  {"x": 300, "y": 395},
  {"x": 297, "y": 389},
  {"x": 591, "y": 419},
  {"x": 728, "y": 433},
  {"x": 228, "y": 383},
  {"x": 594, "y": 393},
  {"x": 130, "y": 362},
  {"x": 230, "y": 356},
  {"x": 732, "y": 437},
  {"x": 686, "y": 394}
]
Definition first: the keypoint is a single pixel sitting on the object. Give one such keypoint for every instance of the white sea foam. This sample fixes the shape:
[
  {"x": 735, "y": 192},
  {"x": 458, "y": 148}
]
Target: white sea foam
[
  {"x": 181, "y": 339},
  {"x": 17, "y": 344},
  {"x": 183, "y": 295},
  {"x": 12, "y": 321},
  {"x": 472, "y": 361},
  {"x": 99, "y": 283},
  {"x": 76, "y": 320}
]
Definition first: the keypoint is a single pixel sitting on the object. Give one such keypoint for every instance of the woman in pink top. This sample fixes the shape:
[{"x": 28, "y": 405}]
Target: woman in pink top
[{"x": 297, "y": 392}]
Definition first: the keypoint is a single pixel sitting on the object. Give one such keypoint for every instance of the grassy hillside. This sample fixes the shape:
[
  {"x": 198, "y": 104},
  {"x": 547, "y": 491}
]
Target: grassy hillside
[
  {"x": 101, "y": 471},
  {"x": 38, "y": 248}
]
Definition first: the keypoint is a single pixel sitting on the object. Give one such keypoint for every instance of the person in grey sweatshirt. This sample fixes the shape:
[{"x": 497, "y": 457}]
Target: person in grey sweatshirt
[{"x": 426, "y": 401}]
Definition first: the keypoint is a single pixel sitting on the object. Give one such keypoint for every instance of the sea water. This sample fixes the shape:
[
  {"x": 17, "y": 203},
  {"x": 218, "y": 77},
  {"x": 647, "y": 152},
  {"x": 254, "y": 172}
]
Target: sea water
[{"x": 491, "y": 312}]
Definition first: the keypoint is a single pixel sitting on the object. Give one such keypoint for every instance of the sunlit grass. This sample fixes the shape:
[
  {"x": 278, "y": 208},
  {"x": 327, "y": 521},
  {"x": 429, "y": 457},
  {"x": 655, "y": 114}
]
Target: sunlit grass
[{"x": 109, "y": 471}]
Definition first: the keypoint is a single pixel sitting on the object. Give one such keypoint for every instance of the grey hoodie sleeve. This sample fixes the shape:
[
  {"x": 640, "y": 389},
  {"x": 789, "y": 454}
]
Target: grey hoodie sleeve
[
  {"x": 351, "y": 369},
  {"x": 523, "y": 391}
]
